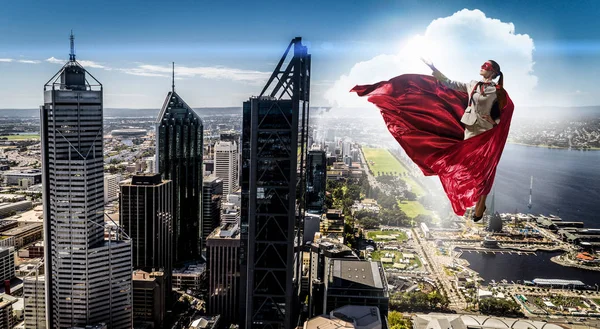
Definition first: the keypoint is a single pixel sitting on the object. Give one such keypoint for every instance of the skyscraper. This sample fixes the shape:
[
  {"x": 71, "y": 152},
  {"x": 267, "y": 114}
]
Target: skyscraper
[
  {"x": 146, "y": 214},
  {"x": 179, "y": 159},
  {"x": 274, "y": 134},
  {"x": 316, "y": 175},
  {"x": 212, "y": 193},
  {"x": 226, "y": 165},
  {"x": 88, "y": 278}
]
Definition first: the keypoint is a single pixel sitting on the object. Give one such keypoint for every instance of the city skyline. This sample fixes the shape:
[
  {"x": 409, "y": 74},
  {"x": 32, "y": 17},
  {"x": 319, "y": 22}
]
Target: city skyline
[{"x": 223, "y": 63}]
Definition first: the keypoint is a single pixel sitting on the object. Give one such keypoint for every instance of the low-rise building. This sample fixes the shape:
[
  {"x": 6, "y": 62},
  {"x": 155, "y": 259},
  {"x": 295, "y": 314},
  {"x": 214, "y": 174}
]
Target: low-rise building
[
  {"x": 189, "y": 278},
  {"x": 25, "y": 234}
]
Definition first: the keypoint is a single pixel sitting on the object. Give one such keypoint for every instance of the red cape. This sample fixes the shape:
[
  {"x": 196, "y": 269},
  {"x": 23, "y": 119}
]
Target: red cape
[{"x": 424, "y": 117}]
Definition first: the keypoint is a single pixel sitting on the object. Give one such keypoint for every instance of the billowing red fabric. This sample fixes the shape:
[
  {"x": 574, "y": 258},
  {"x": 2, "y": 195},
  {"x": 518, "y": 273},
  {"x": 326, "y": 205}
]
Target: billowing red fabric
[{"x": 424, "y": 117}]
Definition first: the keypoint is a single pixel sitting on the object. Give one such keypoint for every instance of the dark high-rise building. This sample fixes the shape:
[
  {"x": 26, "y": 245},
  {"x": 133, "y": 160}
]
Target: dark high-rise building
[
  {"x": 223, "y": 246},
  {"x": 316, "y": 181},
  {"x": 212, "y": 193},
  {"x": 146, "y": 215},
  {"x": 88, "y": 278},
  {"x": 273, "y": 136},
  {"x": 179, "y": 159}
]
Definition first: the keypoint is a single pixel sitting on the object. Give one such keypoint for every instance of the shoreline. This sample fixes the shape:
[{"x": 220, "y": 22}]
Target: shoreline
[
  {"x": 556, "y": 147},
  {"x": 556, "y": 260}
]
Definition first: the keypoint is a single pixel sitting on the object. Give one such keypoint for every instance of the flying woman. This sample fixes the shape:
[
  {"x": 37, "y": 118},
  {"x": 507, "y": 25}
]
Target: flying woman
[{"x": 451, "y": 129}]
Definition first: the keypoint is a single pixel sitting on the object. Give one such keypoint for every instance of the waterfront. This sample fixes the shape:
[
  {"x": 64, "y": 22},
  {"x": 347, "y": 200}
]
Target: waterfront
[
  {"x": 513, "y": 267},
  {"x": 566, "y": 182}
]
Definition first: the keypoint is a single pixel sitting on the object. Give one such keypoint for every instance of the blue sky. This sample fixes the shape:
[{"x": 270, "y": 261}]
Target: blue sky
[{"x": 226, "y": 49}]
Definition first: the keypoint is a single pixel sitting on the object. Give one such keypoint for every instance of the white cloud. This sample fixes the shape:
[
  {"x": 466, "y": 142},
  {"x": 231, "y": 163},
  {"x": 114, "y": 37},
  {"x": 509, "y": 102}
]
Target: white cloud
[
  {"x": 84, "y": 63},
  {"x": 207, "y": 72},
  {"x": 28, "y": 61},
  {"x": 92, "y": 64},
  {"x": 6, "y": 60},
  {"x": 457, "y": 45},
  {"x": 54, "y": 60}
]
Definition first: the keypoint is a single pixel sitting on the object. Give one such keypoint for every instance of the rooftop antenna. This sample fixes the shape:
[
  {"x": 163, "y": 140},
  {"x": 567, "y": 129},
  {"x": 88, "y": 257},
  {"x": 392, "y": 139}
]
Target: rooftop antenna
[
  {"x": 72, "y": 54},
  {"x": 173, "y": 81}
]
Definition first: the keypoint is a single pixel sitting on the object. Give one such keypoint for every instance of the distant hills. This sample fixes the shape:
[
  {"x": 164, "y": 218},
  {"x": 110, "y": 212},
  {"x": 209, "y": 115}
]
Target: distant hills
[{"x": 544, "y": 113}]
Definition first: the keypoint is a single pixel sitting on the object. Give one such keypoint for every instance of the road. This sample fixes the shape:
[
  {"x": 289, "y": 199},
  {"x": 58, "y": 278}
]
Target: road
[{"x": 457, "y": 300}]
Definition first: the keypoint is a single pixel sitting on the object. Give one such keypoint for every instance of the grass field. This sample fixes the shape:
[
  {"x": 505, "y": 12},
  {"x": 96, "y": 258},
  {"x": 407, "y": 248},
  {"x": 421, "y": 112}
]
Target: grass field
[
  {"x": 381, "y": 160},
  {"x": 21, "y": 137},
  {"x": 384, "y": 161},
  {"x": 401, "y": 235},
  {"x": 413, "y": 208}
]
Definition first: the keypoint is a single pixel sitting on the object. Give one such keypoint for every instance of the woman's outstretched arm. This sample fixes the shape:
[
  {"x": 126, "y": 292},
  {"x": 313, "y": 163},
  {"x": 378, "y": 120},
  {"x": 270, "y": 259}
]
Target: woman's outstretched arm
[{"x": 456, "y": 85}]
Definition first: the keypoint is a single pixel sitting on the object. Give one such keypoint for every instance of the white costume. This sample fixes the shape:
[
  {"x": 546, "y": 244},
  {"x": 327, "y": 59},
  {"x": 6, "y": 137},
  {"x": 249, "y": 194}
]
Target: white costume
[{"x": 481, "y": 99}]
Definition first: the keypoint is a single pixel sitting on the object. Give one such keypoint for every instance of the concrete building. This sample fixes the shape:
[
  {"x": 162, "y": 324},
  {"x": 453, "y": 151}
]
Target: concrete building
[
  {"x": 7, "y": 263},
  {"x": 111, "y": 187},
  {"x": 8, "y": 209},
  {"x": 33, "y": 176},
  {"x": 226, "y": 165},
  {"x": 355, "y": 282},
  {"x": 149, "y": 298},
  {"x": 6, "y": 311},
  {"x": 189, "y": 278},
  {"x": 322, "y": 252},
  {"x": 223, "y": 246},
  {"x": 206, "y": 322},
  {"x": 35, "y": 305},
  {"x": 230, "y": 213},
  {"x": 146, "y": 215},
  {"x": 179, "y": 148},
  {"x": 348, "y": 317},
  {"x": 212, "y": 193},
  {"x": 94, "y": 273},
  {"x": 25, "y": 234}
]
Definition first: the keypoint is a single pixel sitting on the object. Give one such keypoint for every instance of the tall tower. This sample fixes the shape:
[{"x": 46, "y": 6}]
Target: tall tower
[
  {"x": 179, "y": 141},
  {"x": 226, "y": 165},
  {"x": 146, "y": 214},
  {"x": 274, "y": 130},
  {"x": 88, "y": 278}
]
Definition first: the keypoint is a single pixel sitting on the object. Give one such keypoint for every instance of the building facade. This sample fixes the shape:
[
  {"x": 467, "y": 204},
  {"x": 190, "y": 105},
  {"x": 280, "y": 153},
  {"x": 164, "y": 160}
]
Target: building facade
[
  {"x": 149, "y": 298},
  {"x": 179, "y": 149},
  {"x": 212, "y": 194},
  {"x": 7, "y": 263},
  {"x": 111, "y": 187},
  {"x": 226, "y": 165},
  {"x": 35, "y": 305},
  {"x": 223, "y": 246},
  {"x": 88, "y": 278},
  {"x": 316, "y": 181},
  {"x": 146, "y": 215},
  {"x": 274, "y": 133}
]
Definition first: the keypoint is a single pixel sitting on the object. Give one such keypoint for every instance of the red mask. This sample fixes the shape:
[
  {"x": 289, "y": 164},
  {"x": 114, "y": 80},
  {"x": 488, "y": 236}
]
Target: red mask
[{"x": 488, "y": 67}]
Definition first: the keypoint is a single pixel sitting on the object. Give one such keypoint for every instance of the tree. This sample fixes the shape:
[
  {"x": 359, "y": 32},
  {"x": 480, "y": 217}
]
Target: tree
[
  {"x": 410, "y": 196},
  {"x": 397, "y": 321},
  {"x": 368, "y": 223}
]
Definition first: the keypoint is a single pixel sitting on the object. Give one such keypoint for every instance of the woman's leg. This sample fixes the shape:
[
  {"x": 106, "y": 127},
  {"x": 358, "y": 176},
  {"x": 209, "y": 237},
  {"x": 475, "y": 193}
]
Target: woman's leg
[{"x": 480, "y": 206}]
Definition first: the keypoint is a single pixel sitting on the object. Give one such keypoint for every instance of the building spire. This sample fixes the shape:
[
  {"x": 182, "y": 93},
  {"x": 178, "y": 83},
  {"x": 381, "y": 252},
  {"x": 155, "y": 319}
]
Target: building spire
[
  {"x": 72, "y": 54},
  {"x": 173, "y": 81}
]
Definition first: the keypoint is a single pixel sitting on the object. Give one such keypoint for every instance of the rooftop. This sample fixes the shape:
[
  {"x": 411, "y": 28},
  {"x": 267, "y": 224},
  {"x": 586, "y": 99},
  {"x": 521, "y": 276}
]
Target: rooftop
[
  {"x": 347, "y": 273},
  {"x": 23, "y": 229}
]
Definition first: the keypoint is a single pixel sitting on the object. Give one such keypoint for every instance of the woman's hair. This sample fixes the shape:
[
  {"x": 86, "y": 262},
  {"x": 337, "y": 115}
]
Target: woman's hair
[{"x": 500, "y": 92}]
